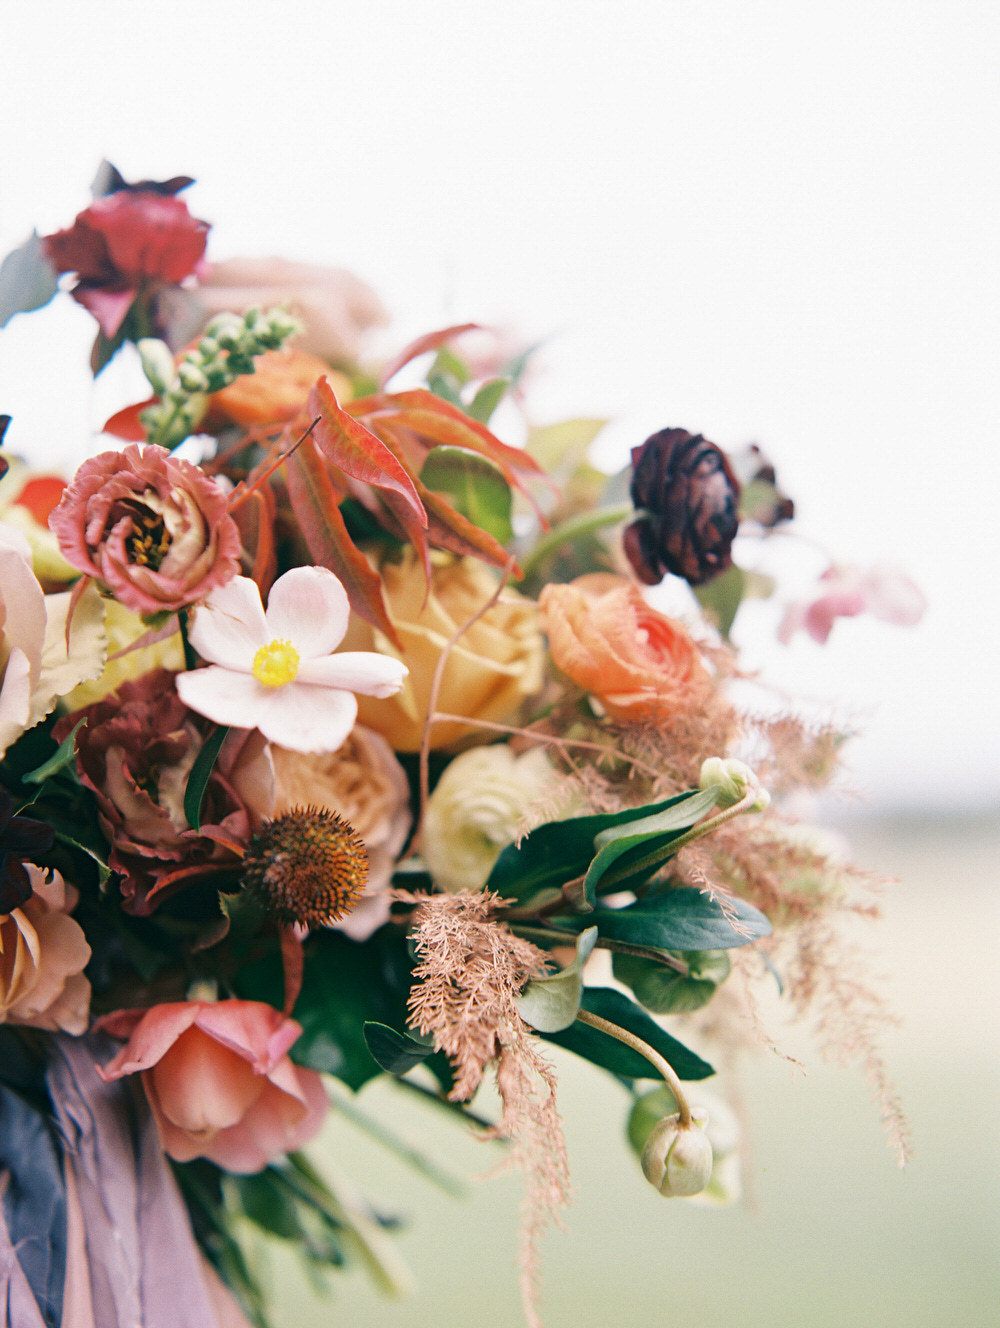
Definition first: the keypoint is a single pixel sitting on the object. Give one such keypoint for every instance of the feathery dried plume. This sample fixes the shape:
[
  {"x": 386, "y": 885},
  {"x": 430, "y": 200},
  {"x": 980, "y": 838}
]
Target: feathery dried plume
[{"x": 470, "y": 970}]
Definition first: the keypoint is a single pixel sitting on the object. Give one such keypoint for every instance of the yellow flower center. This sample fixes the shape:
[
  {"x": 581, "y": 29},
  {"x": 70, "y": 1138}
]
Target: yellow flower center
[{"x": 276, "y": 664}]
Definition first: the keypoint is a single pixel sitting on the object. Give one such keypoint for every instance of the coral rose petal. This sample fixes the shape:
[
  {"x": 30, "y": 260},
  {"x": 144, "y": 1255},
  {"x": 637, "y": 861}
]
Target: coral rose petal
[
  {"x": 224, "y": 696},
  {"x": 202, "y": 1086},
  {"x": 280, "y": 1121},
  {"x": 257, "y": 1031},
  {"x": 151, "y": 1034},
  {"x": 307, "y": 719},
  {"x": 229, "y": 627},
  {"x": 356, "y": 671},
  {"x": 308, "y": 606}
]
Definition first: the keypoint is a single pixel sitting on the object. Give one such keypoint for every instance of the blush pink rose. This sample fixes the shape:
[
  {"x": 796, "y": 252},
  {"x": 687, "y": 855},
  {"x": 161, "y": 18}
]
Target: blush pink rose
[
  {"x": 219, "y": 1080},
  {"x": 43, "y": 953},
  {"x": 153, "y": 529}
]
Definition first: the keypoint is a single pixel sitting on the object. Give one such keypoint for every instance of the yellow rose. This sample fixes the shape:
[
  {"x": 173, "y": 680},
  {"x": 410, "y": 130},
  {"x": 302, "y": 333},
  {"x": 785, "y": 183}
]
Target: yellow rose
[
  {"x": 491, "y": 670},
  {"x": 122, "y": 627}
]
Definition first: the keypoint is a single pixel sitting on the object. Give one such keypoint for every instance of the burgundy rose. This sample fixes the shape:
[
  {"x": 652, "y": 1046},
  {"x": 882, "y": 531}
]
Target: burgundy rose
[
  {"x": 135, "y": 754},
  {"x": 123, "y": 244},
  {"x": 153, "y": 529},
  {"x": 687, "y": 496}
]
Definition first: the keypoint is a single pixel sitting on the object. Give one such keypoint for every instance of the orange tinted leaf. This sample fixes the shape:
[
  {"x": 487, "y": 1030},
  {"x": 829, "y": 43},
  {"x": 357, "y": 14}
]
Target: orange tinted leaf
[
  {"x": 418, "y": 402},
  {"x": 255, "y": 520},
  {"x": 125, "y": 423},
  {"x": 315, "y": 504},
  {"x": 449, "y": 529},
  {"x": 358, "y": 452},
  {"x": 428, "y": 342}
]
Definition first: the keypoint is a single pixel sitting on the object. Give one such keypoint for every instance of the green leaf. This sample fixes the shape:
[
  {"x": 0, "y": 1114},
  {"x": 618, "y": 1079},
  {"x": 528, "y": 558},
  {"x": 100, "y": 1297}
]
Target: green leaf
[
  {"x": 475, "y": 486},
  {"x": 559, "y": 851},
  {"x": 722, "y": 596},
  {"x": 665, "y": 991},
  {"x": 27, "y": 279},
  {"x": 63, "y": 756},
  {"x": 610, "y": 1054},
  {"x": 679, "y": 919},
  {"x": 486, "y": 400},
  {"x": 629, "y": 854},
  {"x": 269, "y": 1204},
  {"x": 563, "y": 445},
  {"x": 396, "y": 1052},
  {"x": 201, "y": 773},
  {"x": 550, "y": 1003}
]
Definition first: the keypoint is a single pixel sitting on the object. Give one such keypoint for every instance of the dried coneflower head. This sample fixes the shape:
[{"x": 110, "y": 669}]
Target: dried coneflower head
[{"x": 308, "y": 865}]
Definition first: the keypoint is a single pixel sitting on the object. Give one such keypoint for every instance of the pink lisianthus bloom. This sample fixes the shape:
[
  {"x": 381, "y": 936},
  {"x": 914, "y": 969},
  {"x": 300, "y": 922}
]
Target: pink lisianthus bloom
[
  {"x": 122, "y": 243},
  {"x": 43, "y": 953},
  {"x": 275, "y": 671},
  {"x": 219, "y": 1080},
  {"x": 151, "y": 528},
  {"x": 845, "y": 592}
]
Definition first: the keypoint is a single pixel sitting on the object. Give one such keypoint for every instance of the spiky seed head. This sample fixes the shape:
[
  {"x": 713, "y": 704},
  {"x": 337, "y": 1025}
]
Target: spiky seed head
[{"x": 308, "y": 865}]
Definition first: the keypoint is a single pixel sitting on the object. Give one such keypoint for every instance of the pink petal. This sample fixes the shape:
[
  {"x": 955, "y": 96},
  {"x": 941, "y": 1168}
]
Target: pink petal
[
  {"x": 308, "y": 606},
  {"x": 229, "y": 627},
  {"x": 224, "y": 695},
  {"x": 109, "y": 307},
  {"x": 894, "y": 598},
  {"x": 820, "y": 615},
  {"x": 283, "y": 1118},
  {"x": 202, "y": 1086},
  {"x": 307, "y": 719},
  {"x": 356, "y": 671},
  {"x": 150, "y": 1036},
  {"x": 261, "y": 1034}
]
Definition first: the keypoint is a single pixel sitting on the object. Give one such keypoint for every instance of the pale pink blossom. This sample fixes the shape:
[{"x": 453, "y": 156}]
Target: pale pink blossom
[
  {"x": 43, "y": 953},
  {"x": 845, "y": 592},
  {"x": 219, "y": 1080},
  {"x": 276, "y": 671}
]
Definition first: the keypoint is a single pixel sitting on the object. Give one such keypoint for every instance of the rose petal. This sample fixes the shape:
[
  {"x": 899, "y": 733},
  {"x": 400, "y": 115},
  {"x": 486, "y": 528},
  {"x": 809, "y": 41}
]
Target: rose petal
[
  {"x": 307, "y": 719},
  {"x": 151, "y": 1035},
  {"x": 202, "y": 1086},
  {"x": 229, "y": 627},
  {"x": 308, "y": 606},
  {"x": 356, "y": 671}
]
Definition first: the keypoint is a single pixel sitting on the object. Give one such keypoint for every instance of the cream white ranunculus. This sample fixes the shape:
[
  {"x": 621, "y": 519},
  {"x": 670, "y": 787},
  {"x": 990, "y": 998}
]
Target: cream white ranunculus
[{"x": 480, "y": 805}]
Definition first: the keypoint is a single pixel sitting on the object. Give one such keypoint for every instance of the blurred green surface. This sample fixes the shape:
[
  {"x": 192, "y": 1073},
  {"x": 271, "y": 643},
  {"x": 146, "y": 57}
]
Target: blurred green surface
[{"x": 834, "y": 1233}]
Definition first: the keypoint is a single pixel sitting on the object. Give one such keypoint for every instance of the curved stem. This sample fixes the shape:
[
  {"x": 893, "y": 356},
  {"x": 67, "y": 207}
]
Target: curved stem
[
  {"x": 644, "y": 1049},
  {"x": 530, "y": 932},
  {"x": 572, "y": 528}
]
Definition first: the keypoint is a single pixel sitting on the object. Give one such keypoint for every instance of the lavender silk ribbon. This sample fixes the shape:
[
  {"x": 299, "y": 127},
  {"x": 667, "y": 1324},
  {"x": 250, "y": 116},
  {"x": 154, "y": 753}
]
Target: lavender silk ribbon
[{"x": 145, "y": 1270}]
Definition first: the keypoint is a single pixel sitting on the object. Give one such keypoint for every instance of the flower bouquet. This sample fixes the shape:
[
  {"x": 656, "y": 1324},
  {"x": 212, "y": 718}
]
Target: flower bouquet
[{"x": 340, "y": 740}]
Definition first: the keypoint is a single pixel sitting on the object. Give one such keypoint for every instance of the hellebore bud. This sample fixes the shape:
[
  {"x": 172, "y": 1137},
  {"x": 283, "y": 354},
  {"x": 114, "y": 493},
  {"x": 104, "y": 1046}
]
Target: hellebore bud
[
  {"x": 677, "y": 1159},
  {"x": 734, "y": 780},
  {"x": 687, "y": 498},
  {"x": 157, "y": 363}
]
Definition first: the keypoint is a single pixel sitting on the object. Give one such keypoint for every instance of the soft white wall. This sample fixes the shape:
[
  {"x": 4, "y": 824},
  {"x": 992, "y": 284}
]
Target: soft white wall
[{"x": 769, "y": 220}]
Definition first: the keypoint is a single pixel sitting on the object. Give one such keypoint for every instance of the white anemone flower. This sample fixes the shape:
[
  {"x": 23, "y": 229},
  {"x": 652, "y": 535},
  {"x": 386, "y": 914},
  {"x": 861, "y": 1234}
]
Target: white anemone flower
[{"x": 276, "y": 671}]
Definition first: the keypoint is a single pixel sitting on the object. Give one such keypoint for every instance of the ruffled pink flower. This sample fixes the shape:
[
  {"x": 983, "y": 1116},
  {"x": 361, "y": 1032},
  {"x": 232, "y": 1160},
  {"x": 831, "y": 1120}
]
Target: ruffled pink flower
[
  {"x": 219, "y": 1080},
  {"x": 275, "y": 671},
  {"x": 845, "y": 592},
  {"x": 153, "y": 529},
  {"x": 122, "y": 243}
]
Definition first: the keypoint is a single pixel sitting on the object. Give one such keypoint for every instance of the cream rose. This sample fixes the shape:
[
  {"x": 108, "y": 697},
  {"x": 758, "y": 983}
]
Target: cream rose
[
  {"x": 481, "y": 803},
  {"x": 43, "y": 953},
  {"x": 365, "y": 784},
  {"x": 491, "y": 670}
]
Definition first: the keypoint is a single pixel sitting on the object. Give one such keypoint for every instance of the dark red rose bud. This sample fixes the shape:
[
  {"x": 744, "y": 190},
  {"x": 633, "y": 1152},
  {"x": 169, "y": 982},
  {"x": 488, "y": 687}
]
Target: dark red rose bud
[
  {"x": 22, "y": 839},
  {"x": 687, "y": 497}
]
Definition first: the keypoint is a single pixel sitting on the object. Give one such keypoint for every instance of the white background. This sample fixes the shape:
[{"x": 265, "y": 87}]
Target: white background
[{"x": 769, "y": 221}]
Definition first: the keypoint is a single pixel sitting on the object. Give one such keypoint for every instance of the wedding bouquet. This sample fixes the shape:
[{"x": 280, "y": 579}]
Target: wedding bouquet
[{"x": 339, "y": 740}]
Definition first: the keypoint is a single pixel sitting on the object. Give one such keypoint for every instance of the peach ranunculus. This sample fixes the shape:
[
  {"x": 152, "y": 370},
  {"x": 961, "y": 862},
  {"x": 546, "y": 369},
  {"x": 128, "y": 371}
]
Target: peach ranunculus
[
  {"x": 364, "y": 783},
  {"x": 219, "y": 1080},
  {"x": 153, "y": 529},
  {"x": 335, "y": 307},
  {"x": 43, "y": 953},
  {"x": 640, "y": 665},
  {"x": 492, "y": 669},
  {"x": 277, "y": 391}
]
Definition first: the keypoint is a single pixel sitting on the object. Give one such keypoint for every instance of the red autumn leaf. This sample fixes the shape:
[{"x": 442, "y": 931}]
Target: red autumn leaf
[
  {"x": 428, "y": 342},
  {"x": 316, "y": 506},
  {"x": 419, "y": 402},
  {"x": 255, "y": 519},
  {"x": 356, "y": 451},
  {"x": 125, "y": 423},
  {"x": 449, "y": 529}
]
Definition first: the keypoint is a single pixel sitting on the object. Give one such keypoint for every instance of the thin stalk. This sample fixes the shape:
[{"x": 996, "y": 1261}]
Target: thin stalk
[
  {"x": 644, "y": 1049},
  {"x": 531, "y": 932}
]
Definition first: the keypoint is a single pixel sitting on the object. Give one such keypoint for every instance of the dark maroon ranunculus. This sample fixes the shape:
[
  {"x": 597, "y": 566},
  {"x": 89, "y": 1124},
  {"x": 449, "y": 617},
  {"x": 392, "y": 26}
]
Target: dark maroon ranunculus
[
  {"x": 21, "y": 839},
  {"x": 687, "y": 497},
  {"x": 135, "y": 754},
  {"x": 123, "y": 243}
]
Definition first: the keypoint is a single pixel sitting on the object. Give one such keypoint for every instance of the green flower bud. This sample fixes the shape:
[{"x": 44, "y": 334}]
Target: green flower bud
[
  {"x": 192, "y": 378},
  {"x": 734, "y": 780},
  {"x": 157, "y": 363},
  {"x": 677, "y": 1159}
]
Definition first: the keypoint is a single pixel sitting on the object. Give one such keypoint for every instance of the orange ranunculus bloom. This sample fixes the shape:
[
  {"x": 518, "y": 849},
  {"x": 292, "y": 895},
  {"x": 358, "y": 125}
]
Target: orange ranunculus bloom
[
  {"x": 638, "y": 663},
  {"x": 276, "y": 393}
]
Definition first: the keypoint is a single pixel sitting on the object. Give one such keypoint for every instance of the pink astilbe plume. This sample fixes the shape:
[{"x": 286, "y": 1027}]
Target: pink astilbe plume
[{"x": 470, "y": 970}]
